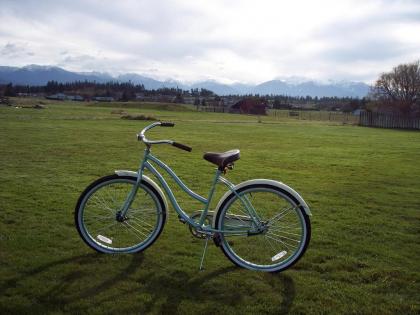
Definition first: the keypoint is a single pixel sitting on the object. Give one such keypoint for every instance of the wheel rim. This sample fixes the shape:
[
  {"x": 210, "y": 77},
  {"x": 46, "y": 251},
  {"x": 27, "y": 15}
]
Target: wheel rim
[
  {"x": 98, "y": 217},
  {"x": 278, "y": 244}
]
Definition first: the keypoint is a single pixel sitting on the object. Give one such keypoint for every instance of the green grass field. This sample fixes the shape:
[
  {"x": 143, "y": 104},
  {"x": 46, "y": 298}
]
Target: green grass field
[{"x": 363, "y": 186}]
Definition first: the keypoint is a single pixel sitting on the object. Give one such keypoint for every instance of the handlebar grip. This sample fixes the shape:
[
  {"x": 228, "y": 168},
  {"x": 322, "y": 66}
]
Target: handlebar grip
[
  {"x": 167, "y": 124},
  {"x": 182, "y": 146}
]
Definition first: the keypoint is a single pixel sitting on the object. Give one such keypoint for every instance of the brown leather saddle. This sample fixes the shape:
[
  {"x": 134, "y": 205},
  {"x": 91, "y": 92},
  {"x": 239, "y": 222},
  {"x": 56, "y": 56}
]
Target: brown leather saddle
[{"x": 223, "y": 159}]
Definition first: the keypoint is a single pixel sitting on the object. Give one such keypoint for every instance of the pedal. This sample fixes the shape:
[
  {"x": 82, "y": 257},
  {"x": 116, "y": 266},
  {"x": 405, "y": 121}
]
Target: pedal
[
  {"x": 217, "y": 239},
  {"x": 181, "y": 219}
]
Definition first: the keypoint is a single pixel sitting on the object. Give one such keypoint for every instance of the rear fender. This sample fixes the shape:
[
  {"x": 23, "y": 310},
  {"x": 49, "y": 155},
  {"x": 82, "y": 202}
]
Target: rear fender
[{"x": 270, "y": 182}]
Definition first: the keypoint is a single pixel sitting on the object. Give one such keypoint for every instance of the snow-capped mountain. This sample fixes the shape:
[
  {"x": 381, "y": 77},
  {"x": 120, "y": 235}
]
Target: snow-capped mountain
[
  {"x": 293, "y": 86},
  {"x": 216, "y": 87},
  {"x": 40, "y": 75}
]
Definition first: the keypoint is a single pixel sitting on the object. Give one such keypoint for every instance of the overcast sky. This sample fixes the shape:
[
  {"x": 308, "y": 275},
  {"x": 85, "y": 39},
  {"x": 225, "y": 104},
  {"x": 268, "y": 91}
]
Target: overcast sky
[{"x": 229, "y": 41}]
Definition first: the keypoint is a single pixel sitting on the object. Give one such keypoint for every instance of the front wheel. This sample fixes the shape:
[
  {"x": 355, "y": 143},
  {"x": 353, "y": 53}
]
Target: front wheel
[
  {"x": 264, "y": 227},
  {"x": 100, "y": 224}
]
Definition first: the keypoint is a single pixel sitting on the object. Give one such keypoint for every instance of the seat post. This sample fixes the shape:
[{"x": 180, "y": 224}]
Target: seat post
[{"x": 212, "y": 189}]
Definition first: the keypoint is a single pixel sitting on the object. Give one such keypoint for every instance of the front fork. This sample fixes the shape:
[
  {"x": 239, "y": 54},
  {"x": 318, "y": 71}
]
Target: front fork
[{"x": 122, "y": 213}]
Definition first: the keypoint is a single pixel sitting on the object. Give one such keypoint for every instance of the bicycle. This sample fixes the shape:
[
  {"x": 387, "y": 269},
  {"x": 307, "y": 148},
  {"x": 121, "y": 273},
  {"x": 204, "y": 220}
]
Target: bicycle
[{"x": 259, "y": 224}]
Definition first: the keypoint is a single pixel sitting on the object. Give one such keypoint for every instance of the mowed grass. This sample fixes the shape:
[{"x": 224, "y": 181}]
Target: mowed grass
[{"x": 363, "y": 186}]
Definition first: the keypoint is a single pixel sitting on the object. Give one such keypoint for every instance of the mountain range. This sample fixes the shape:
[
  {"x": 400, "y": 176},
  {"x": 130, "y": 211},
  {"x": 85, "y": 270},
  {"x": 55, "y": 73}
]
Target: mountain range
[{"x": 40, "y": 75}]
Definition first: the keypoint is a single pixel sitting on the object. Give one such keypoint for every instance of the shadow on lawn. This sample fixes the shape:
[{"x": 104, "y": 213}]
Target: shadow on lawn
[
  {"x": 61, "y": 292},
  {"x": 227, "y": 286},
  {"x": 69, "y": 281}
]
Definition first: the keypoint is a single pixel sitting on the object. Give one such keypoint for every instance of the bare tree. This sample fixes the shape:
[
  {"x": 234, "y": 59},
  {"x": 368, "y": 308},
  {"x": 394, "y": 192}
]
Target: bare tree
[{"x": 399, "y": 90}]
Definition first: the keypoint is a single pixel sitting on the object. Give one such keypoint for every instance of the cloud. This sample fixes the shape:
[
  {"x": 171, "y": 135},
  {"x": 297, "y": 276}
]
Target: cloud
[
  {"x": 15, "y": 50},
  {"x": 9, "y": 50},
  {"x": 233, "y": 40}
]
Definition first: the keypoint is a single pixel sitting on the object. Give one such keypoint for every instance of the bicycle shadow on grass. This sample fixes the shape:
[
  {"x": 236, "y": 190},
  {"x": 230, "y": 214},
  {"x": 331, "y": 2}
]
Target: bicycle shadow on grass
[
  {"x": 69, "y": 282},
  {"x": 228, "y": 287}
]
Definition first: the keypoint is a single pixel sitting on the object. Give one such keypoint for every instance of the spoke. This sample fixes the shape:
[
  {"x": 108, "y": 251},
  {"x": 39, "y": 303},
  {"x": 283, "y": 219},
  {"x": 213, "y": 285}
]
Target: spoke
[
  {"x": 238, "y": 218},
  {"x": 145, "y": 211},
  {"x": 280, "y": 241},
  {"x": 278, "y": 227},
  {"x": 135, "y": 228},
  {"x": 278, "y": 216},
  {"x": 141, "y": 221},
  {"x": 132, "y": 232},
  {"x": 281, "y": 231},
  {"x": 101, "y": 201},
  {"x": 103, "y": 205},
  {"x": 281, "y": 236},
  {"x": 245, "y": 213},
  {"x": 139, "y": 225},
  {"x": 95, "y": 202},
  {"x": 108, "y": 226},
  {"x": 99, "y": 219},
  {"x": 271, "y": 245},
  {"x": 116, "y": 204}
]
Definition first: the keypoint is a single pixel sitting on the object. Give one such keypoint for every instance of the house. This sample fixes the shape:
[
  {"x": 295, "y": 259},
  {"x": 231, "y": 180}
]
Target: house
[
  {"x": 103, "y": 98},
  {"x": 57, "y": 96},
  {"x": 190, "y": 99},
  {"x": 357, "y": 112},
  {"x": 62, "y": 97},
  {"x": 140, "y": 96},
  {"x": 229, "y": 101},
  {"x": 250, "y": 105},
  {"x": 76, "y": 98}
]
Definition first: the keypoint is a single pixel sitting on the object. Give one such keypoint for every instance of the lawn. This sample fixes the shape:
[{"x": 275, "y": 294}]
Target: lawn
[{"x": 362, "y": 184}]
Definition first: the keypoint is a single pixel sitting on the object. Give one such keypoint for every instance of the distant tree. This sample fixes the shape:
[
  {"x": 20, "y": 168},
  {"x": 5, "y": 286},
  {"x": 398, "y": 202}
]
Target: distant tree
[
  {"x": 277, "y": 102},
  {"x": 195, "y": 92},
  {"x": 9, "y": 90},
  {"x": 353, "y": 104},
  {"x": 203, "y": 102},
  {"x": 179, "y": 98},
  {"x": 124, "y": 97},
  {"x": 196, "y": 101},
  {"x": 206, "y": 93},
  {"x": 399, "y": 90}
]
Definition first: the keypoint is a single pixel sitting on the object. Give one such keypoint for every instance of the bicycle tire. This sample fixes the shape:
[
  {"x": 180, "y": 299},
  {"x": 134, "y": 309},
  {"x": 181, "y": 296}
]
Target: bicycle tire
[
  {"x": 143, "y": 223},
  {"x": 242, "y": 250}
]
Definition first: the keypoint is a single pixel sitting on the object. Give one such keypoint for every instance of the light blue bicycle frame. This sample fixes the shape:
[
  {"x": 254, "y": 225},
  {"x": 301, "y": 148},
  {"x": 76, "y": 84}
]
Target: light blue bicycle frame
[{"x": 206, "y": 202}]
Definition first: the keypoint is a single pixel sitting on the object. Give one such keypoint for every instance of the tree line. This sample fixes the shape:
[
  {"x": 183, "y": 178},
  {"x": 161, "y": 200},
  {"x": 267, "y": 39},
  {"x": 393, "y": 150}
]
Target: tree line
[
  {"x": 86, "y": 89},
  {"x": 397, "y": 91}
]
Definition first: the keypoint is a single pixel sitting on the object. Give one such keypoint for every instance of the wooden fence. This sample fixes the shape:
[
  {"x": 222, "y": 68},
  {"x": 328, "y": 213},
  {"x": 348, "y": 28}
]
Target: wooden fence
[
  {"x": 380, "y": 120},
  {"x": 214, "y": 109}
]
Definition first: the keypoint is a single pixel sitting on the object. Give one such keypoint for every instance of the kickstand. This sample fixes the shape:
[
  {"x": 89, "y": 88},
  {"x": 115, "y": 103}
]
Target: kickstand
[{"x": 204, "y": 253}]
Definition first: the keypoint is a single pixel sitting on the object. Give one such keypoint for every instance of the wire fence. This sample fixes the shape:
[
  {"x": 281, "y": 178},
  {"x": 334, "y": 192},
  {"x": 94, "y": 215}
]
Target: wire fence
[
  {"x": 363, "y": 118},
  {"x": 339, "y": 117}
]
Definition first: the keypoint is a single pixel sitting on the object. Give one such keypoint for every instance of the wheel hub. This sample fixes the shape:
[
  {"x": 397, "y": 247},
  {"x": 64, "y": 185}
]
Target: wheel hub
[{"x": 120, "y": 218}]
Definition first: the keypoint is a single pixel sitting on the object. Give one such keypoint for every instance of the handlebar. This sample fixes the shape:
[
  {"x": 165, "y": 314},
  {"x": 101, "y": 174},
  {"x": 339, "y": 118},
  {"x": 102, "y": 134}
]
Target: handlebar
[{"x": 142, "y": 137}]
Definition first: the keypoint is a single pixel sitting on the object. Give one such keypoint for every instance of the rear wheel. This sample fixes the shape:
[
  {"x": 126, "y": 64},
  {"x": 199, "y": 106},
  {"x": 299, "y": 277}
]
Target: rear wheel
[
  {"x": 277, "y": 242},
  {"x": 99, "y": 221}
]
